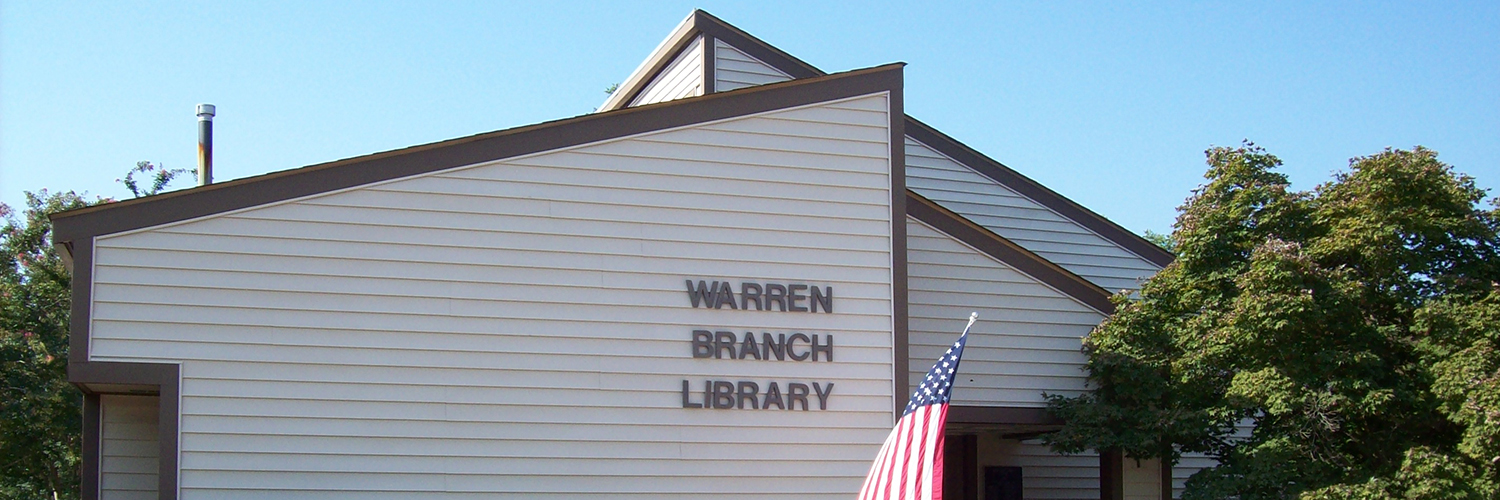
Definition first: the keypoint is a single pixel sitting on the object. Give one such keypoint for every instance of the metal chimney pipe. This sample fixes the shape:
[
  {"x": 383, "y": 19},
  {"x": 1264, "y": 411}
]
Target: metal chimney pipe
[{"x": 205, "y": 144}]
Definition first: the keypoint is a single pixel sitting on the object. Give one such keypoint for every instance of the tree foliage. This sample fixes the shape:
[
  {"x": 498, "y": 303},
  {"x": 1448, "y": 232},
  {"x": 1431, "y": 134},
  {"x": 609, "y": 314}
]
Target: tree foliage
[
  {"x": 41, "y": 413},
  {"x": 1355, "y": 325},
  {"x": 160, "y": 177}
]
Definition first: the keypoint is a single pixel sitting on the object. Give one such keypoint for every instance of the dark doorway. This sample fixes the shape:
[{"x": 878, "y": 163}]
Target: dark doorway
[
  {"x": 1002, "y": 483},
  {"x": 961, "y": 467}
]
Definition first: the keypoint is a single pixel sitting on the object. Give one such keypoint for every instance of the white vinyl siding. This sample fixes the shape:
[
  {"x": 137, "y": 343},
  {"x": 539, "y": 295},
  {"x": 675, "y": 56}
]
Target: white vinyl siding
[
  {"x": 1191, "y": 463},
  {"x": 1044, "y": 475},
  {"x": 520, "y": 328},
  {"x": 1028, "y": 337},
  {"x": 734, "y": 69},
  {"x": 128, "y": 462},
  {"x": 1019, "y": 219},
  {"x": 683, "y": 77},
  {"x": 1141, "y": 479}
]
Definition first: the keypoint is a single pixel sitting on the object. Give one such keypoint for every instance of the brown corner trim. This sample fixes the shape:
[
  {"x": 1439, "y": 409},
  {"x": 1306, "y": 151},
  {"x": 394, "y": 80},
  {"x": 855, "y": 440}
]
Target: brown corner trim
[
  {"x": 82, "y": 252},
  {"x": 1037, "y": 192},
  {"x": 1111, "y": 475},
  {"x": 900, "y": 334},
  {"x": 710, "y": 77},
  {"x": 1007, "y": 415},
  {"x": 93, "y": 429},
  {"x": 290, "y": 184},
  {"x": 167, "y": 379},
  {"x": 1006, "y": 251}
]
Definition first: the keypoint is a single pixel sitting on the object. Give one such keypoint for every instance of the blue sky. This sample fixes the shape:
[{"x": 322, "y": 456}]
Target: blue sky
[{"x": 1109, "y": 105}]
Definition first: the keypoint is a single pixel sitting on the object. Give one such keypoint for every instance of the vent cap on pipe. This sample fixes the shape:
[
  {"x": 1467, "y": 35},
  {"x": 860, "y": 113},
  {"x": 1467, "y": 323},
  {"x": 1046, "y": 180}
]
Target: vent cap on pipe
[{"x": 205, "y": 144}]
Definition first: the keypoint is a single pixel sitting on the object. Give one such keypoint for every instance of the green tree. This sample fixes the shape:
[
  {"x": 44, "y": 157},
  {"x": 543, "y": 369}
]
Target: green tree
[
  {"x": 41, "y": 413},
  {"x": 1161, "y": 240},
  {"x": 160, "y": 177},
  {"x": 1355, "y": 325}
]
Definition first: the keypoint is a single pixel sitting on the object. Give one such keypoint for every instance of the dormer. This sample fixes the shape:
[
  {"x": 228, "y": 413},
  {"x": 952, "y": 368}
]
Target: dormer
[{"x": 704, "y": 55}]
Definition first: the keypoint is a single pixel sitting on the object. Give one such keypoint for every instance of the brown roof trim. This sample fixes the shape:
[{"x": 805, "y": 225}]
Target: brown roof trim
[
  {"x": 1037, "y": 192},
  {"x": 1006, "y": 251},
  {"x": 964, "y": 414},
  {"x": 756, "y": 47},
  {"x": 703, "y": 23},
  {"x": 289, "y": 184},
  {"x": 663, "y": 55}
]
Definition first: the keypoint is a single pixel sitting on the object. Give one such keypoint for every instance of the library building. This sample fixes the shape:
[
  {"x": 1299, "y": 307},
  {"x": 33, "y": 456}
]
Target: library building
[{"x": 722, "y": 284}]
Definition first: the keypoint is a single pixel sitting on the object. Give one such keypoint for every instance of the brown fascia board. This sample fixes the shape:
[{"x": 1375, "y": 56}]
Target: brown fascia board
[
  {"x": 76, "y": 225},
  {"x": 1004, "y": 415},
  {"x": 705, "y": 23},
  {"x": 1037, "y": 192},
  {"x": 1004, "y": 250}
]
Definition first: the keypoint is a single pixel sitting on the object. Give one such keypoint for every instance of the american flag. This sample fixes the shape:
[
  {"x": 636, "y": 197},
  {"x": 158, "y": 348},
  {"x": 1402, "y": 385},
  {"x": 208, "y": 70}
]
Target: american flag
[{"x": 910, "y": 464}]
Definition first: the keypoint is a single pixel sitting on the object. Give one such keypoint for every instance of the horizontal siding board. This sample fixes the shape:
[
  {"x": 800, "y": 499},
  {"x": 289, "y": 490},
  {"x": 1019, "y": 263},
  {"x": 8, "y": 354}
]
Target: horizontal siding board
[
  {"x": 663, "y": 365},
  {"x": 381, "y": 220},
  {"x": 541, "y": 338},
  {"x": 395, "y": 262},
  {"x": 260, "y": 291},
  {"x": 650, "y": 198},
  {"x": 778, "y": 142},
  {"x": 447, "y": 377},
  {"x": 129, "y": 464},
  {"x": 493, "y": 283},
  {"x": 411, "y": 323},
  {"x": 505, "y": 431},
  {"x": 515, "y": 484},
  {"x": 865, "y": 134},
  {"x": 492, "y": 328},
  {"x": 274, "y": 462},
  {"x": 427, "y": 447},
  {"x": 233, "y": 494},
  {"x": 601, "y": 415},
  {"x": 750, "y": 169}
]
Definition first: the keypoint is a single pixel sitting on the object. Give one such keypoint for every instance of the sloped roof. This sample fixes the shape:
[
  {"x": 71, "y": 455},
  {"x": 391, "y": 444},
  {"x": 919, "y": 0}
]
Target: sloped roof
[
  {"x": 233, "y": 195},
  {"x": 705, "y": 24}
]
